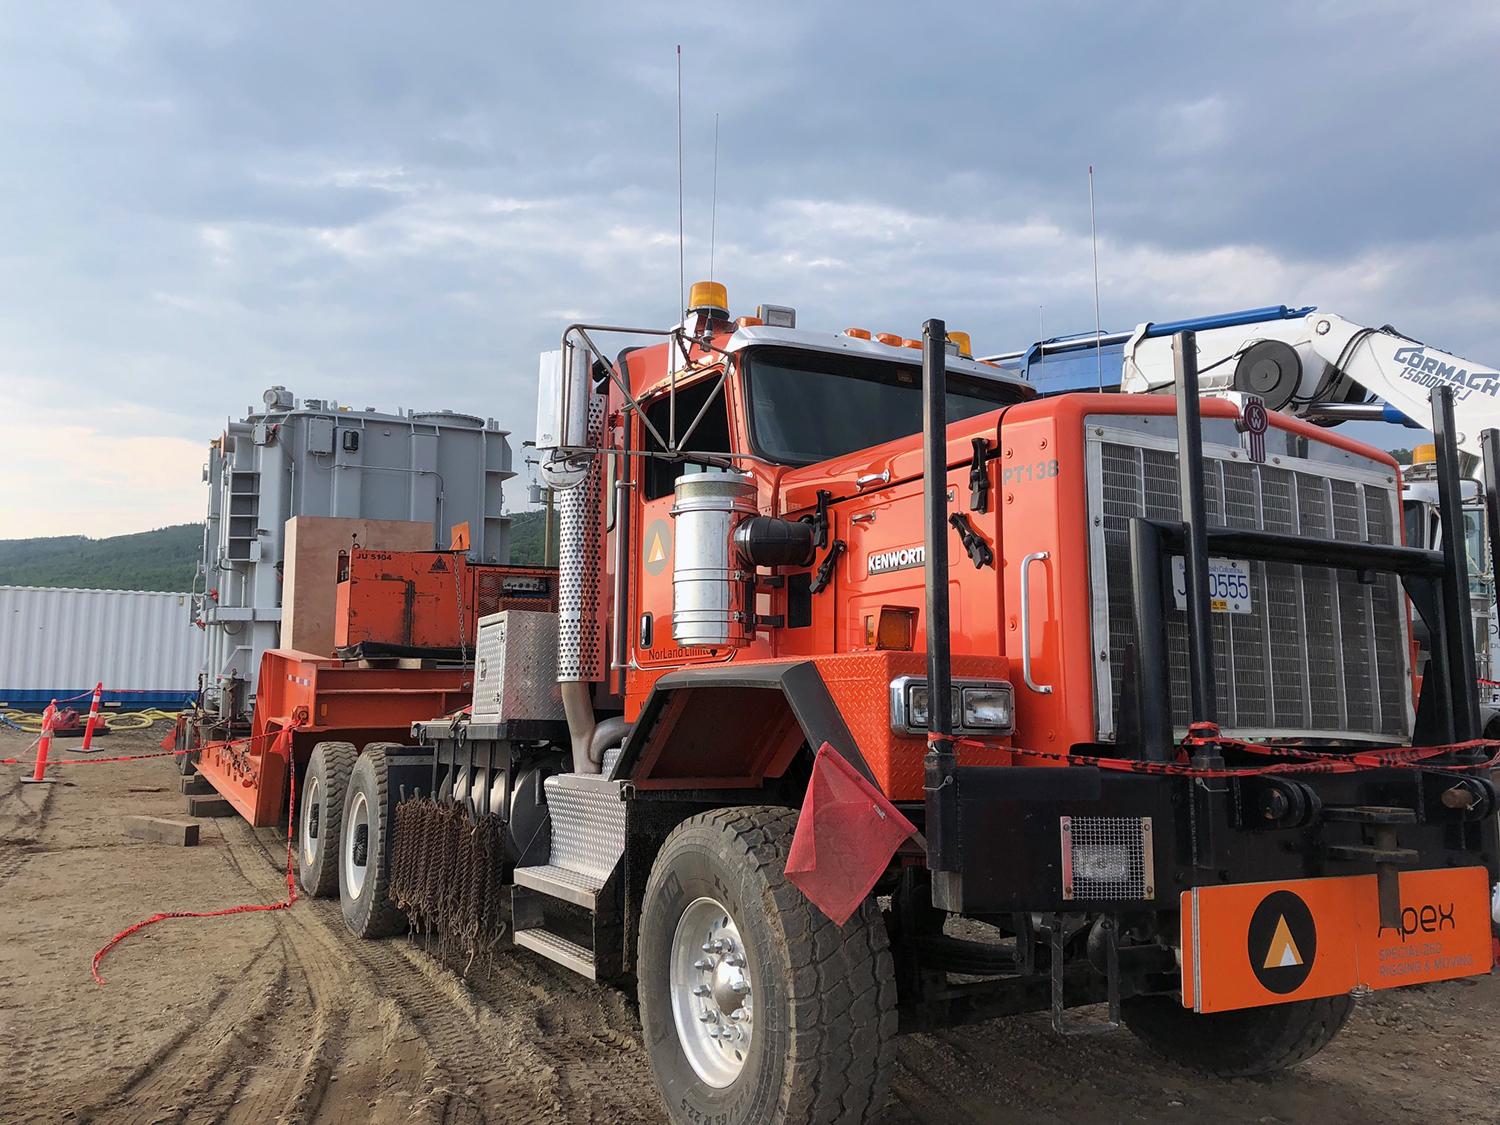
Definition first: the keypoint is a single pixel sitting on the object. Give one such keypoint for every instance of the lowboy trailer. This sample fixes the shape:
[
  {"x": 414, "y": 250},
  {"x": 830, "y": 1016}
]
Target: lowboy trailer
[{"x": 883, "y": 695}]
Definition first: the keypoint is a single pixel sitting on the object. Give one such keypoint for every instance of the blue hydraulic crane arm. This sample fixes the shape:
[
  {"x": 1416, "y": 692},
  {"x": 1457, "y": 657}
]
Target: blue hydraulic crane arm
[{"x": 1087, "y": 341}]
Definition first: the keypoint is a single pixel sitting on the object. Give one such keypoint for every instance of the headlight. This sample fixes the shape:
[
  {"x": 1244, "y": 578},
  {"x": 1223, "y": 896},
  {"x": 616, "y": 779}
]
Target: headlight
[
  {"x": 985, "y": 708},
  {"x": 1100, "y": 863},
  {"x": 977, "y": 707}
]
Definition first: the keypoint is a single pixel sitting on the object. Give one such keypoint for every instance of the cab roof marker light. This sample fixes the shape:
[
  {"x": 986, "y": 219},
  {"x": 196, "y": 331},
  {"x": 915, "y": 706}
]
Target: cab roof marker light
[
  {"x": 890, "y": 339},
  {"x": 857, "y": 333},
  {"x": 777, "y": 316}
]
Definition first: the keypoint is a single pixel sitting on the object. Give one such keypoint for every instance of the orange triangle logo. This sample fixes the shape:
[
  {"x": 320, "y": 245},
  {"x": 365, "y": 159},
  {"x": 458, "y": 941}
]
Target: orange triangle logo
[
  {"x": 1283, "y": 952},
  {"x": 657, "y": 552}
]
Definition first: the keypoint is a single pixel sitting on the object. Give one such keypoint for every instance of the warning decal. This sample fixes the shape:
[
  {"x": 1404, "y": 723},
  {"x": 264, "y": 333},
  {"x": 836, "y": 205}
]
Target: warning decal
[{"x": 658, "y": 550}]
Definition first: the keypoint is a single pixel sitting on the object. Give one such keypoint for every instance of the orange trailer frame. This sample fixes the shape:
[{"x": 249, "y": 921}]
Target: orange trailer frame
[{"x": 326, "y": 699}]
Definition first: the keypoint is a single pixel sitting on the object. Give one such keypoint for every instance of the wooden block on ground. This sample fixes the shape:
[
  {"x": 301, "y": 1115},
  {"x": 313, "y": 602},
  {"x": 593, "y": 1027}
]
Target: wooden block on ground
[
  {"x": 209, "y": 805},
  {"x": 195, "y": 786},
  {"x": 183, "y": 833}
]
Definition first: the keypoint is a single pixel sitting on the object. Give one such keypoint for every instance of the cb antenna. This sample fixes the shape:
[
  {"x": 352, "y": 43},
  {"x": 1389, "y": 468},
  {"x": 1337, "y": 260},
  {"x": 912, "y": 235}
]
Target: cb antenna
[
  {"x": 1094, "y": 234},
  {"x": 713, "y": 210},
  {"x": 681, "y": 266}
]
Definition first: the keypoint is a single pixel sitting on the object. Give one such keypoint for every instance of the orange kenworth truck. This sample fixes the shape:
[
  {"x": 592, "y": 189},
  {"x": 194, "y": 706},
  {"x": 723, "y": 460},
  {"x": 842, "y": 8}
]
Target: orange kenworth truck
[{"x": 883, "y": 694}]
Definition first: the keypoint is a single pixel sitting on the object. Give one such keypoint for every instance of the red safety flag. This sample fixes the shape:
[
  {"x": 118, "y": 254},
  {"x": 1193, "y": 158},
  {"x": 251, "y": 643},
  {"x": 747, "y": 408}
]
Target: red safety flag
[{"x": 845, "y": 837}]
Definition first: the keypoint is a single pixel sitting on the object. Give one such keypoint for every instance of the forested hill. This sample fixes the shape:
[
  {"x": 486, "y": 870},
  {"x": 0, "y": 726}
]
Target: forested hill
[
  {"x": 147, "y": 560},
  {"x": 163, "y": 559}
]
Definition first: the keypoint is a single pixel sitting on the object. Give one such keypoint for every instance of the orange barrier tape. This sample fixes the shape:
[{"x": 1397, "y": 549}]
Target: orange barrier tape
[
  {"x": 1303, "y": 761},
  {"x": 228, "y": 744}
]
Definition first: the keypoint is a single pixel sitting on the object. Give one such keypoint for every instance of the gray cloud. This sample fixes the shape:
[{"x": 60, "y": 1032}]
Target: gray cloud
[{"x": 399, "y": 206}]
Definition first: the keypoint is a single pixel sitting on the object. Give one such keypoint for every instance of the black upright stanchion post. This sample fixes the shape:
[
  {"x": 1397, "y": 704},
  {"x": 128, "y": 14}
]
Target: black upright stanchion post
[
  {"x": 1458, "y": 617},
  {"x": 1200, "y": 630},
  {"x": 1152, "y": 683},
  {"x": 940, "y": 763},
  {"x": 1489, "y": 443}
]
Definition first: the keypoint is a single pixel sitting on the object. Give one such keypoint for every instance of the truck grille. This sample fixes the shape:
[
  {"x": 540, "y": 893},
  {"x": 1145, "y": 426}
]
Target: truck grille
[{"x": 1321, "y": 654}]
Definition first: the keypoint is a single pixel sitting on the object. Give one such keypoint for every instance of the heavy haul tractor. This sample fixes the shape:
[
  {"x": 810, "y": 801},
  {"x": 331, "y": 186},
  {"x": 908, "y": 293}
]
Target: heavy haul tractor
[{"x": 884, "y": 695}]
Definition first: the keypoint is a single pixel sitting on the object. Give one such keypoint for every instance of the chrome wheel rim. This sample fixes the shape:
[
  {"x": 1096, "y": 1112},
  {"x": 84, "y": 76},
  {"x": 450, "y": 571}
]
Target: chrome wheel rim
[
  {"x": 312, "y": 819},
  {"x": 357, "y": 845},
  {"x": 712, "y": 1005}
]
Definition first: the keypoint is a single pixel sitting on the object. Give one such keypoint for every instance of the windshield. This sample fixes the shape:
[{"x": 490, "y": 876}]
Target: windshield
[{"x": 809, "y": 406}]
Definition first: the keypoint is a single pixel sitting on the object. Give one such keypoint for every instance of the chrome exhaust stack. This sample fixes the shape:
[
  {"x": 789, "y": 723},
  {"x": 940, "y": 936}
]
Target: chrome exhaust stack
[{"x": 570, "y": 432}]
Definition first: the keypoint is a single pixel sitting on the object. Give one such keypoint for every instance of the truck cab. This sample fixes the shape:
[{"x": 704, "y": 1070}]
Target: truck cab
[{"x": 888, "y": 695}]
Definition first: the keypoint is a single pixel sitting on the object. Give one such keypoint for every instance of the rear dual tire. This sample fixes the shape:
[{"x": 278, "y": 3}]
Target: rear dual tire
[
  {"x": 320, "y": 814},
  {"x": 364, "y": 851}
]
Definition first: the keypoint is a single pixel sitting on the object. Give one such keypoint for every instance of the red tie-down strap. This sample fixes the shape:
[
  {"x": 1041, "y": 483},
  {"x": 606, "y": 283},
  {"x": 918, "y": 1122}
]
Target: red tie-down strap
[
  {"x": 283, "y": 745},
  {"x": 845, "y": 837}
]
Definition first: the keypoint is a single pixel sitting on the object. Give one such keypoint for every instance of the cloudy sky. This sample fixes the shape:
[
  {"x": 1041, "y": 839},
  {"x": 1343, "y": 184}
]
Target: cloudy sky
[{"x": 400, "y": 205}]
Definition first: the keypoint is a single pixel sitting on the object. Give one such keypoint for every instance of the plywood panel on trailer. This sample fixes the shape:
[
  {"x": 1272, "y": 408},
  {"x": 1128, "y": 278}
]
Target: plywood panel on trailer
[{"x": 310, "y": 576}]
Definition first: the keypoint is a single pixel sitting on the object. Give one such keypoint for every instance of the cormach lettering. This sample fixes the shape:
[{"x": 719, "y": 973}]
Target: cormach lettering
[{"x": 1430, "y": 371}]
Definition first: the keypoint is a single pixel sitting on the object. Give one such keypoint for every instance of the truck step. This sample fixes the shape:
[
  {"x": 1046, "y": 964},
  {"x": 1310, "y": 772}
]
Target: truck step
[
  {"x": 578, "y": 887},
  {"x": 1365, "y": 853},
  {"x": 566, "y": 953},
  {"x": 1370, "y": 814},
  {"x": 588, "y": 824}
]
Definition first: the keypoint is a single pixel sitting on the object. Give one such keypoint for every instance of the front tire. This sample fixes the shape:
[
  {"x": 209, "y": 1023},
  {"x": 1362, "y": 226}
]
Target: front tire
[
  {"x": 320, "y": 813},
  {"x": 1237, "y": 1044},
  {"x": 755, "y": 1007},
  {"x": 365, "y": 849}
]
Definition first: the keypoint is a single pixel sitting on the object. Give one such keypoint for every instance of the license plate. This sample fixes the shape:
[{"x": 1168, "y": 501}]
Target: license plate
[{"x": 1228, "y": 584}]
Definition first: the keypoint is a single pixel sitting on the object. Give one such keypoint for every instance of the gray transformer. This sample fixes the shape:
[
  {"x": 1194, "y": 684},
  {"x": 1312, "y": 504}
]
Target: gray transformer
[{"x": 315, "y": 458}]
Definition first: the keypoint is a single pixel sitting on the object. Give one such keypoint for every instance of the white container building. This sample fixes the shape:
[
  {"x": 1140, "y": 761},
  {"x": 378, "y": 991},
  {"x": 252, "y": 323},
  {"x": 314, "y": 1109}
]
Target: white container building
[{"x": 55, "y": 643}]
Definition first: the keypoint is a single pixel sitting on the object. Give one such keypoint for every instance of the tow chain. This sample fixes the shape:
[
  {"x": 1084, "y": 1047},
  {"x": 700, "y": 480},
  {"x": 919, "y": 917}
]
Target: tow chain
[{"x": 446, "y": 873}]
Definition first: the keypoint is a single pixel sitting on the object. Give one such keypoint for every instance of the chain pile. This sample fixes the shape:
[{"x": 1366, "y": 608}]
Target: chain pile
[{"x": 446, "y": 875}]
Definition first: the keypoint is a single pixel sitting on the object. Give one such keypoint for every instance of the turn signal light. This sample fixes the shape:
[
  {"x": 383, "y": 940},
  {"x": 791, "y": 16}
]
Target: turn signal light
[{"x": 894, "y": 629}]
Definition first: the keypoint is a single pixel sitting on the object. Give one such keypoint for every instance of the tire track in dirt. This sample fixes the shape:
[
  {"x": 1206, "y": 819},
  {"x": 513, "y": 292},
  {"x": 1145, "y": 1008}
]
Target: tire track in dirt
[
  {"x": 22, "y": 830},
  {"x": 185, "y": 1075},
  {"x": 521, "y": 1043}
]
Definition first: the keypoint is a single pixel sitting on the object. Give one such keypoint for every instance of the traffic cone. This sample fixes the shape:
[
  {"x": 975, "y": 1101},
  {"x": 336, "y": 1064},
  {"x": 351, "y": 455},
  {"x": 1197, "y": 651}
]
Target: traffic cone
[
  {"x": 88, "y": 730},
  {"x": 44, "y": 744}
]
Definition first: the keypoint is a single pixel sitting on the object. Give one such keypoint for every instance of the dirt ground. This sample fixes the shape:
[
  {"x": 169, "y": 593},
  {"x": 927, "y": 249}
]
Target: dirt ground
[{"x": 282, "y": 1017}]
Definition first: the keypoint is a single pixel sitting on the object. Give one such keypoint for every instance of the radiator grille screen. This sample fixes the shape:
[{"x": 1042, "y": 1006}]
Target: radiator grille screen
[{"x": 1320, "y": 652}]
